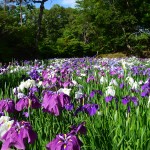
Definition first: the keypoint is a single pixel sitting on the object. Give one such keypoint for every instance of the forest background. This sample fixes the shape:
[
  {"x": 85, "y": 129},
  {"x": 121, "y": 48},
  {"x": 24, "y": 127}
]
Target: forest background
[{"x": 92, "y": 27}]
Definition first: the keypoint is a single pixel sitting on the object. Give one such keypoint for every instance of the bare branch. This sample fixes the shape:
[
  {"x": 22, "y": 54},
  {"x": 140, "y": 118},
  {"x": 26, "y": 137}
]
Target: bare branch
[{"x": 43, "y": 1}]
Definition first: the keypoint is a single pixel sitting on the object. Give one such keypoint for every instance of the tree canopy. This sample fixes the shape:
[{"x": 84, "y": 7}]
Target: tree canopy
[{"x": 103, "y": 26}]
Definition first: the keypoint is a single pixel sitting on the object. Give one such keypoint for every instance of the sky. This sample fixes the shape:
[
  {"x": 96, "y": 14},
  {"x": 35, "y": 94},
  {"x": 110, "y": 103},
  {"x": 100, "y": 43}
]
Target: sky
[{"x": 64, "y": 3}]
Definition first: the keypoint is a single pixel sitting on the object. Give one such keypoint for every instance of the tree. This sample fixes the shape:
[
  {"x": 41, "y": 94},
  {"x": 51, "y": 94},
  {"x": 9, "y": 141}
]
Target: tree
[
  {"x": 39, "y": 22},
  {"x": 54, "y": 23}
]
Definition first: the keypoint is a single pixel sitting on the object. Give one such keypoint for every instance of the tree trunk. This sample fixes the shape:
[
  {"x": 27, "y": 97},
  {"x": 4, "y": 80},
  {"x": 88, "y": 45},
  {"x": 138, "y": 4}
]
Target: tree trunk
[
  {"x": 35, "y": 51},
  {"x": 85, "y": 36},
  {"x": 21, "y": 12},
  {"x": 126, "y": 41},
  {"x": 4, "y": 6},
  {"x": 39, "y": 22},
  {"x": 39, "y": 26}
]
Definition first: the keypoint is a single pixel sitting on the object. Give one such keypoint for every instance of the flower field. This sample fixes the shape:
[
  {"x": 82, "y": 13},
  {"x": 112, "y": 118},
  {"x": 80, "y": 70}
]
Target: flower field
[{"x": 78, "y": 103}]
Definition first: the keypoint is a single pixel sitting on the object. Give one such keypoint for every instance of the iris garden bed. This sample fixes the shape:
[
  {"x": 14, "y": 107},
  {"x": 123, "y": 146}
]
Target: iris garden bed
[{"x": 77, "y": 103}]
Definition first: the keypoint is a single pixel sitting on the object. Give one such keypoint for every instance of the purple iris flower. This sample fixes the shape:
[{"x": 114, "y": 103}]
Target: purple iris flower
[
  {"x": 146, "y": 72},
  {"x": 64, "y": 142},
  {"x": 145, "y": 93},
  {"x": 108, "y": 98},
  {"x": 146, "y": 89},
  {"x": 17, "y": 136},
  {"x": 33, "y": 90},
  {"x": 26, "y": 114},
  {"x": 121, "y": 85},
  {"x": 127, "y": 99},
  {"x": 112, "y": 72},
  {"x": 46, "y": 82},
  {"x": 35, "y": 103},
  {"x": 22, "y": 104},
  {"x": 91, "y": 109},
  {"x": 93, "y": 92},
  {"x": 69, "y": 107},
  {"x": 135, "y": 70},
  {"x": 55, "y": 102},
  {"x": 66, "y": 84},
  {"x": 79, "y": 129},
  {"x": 145, "y": 86},
  {"x": 134, "y": 100},
  {"x": 104, "y": 63},
  {"x": 68, "y": 141},
  {"x": 91, "y": 78},
  {"x": 64, "y": 99},
  {"x": 26, "y": 102},
  {"x": 34, "y": 74},
  {"x": 50, "y": 103},
  {"x": 63, "y": 70},
  {"x": 99, "y": 92},
  {"x": 7, "y": 105},
  {"x": 54, "y": 80}
]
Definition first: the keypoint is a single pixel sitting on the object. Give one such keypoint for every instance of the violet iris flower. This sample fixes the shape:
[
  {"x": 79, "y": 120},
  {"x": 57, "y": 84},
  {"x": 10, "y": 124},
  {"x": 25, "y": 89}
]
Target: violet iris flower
[
  {"x": 26, "y": 114},
  {"x": 17, "y": 136},
  {"x": 35, "y": 103},
  {"x": 108, "y": 98},
  {"x": 112, "y": 72},
  {"x": 54, "y": 80},
  {"x": 68, "y": 141},
  {"x": 146, "y": 89},
  {"x": 69, "y": 106},
  {"x": 79, "y": 129},
  {"x": 64, "y": 142},
  {"x": 33, "y": 90},
  {"x": 127, "y": 99},
  {"x": 26, "y": 102},
  {"x": 34, "y": 74},
  {"x": 122, "y": 85},
  {"x": 7, "y": 105},
  {"x": 93, "y": 92},
  {"x": 135, "y": 70},
  {"x": 91, "y": 78},
  {"x": 91, "y": 109},
  {"x": 66, "y": 84},
  {"x": 55, "y": 102},
  {"x": 23, "y": 103},
  {"x": 45, "y": 74},
  {"x": 50, "y": 103}
]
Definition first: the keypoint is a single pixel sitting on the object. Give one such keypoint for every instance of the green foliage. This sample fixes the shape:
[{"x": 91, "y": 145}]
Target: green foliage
[
  {"x": 16, "y": 41},
  {"x": 93, "y": 26},
  {"x": 139, "y": 42}
]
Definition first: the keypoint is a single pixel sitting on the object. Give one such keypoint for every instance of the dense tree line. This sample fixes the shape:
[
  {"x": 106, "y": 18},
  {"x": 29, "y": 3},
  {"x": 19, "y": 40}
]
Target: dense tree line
[{"x": 103, "y": 26}]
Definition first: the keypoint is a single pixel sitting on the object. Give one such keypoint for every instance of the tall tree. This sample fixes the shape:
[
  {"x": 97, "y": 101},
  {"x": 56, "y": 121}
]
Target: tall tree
[
  {"x": 54, "y": 23},
  {"x": 20, "y": 3},
  {"x": 39, "y": 22}
]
